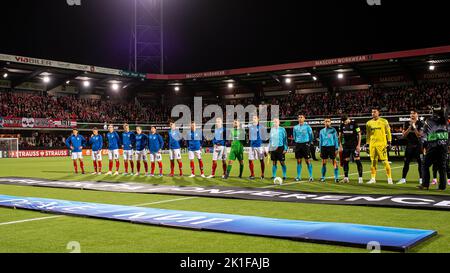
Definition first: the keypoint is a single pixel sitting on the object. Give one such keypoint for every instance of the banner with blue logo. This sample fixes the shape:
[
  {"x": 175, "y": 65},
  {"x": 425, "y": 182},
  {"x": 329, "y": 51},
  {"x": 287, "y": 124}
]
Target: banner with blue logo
[{"x": 389, "y": 238}]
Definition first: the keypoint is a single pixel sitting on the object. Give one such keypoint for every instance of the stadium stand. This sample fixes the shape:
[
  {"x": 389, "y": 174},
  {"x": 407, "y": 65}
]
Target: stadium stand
[
  {"x": 39, "y": 140},
  {"x": 393, "y": 100},
  {"x": 396, "y": 82}
]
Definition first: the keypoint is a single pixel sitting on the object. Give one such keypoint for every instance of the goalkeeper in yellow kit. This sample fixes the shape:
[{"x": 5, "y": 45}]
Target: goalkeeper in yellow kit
[{"x": 379, "y": 139}]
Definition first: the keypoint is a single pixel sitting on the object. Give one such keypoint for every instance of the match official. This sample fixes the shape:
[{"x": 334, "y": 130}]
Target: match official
[
  {"x": 278, "y": 147},
  {"x": 303, "y": 138},
  {"x": 329, "y": 145}
]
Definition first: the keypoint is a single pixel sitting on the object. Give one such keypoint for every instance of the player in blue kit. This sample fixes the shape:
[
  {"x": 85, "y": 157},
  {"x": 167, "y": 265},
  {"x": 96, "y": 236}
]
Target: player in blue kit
[
  {"x": 76, "y": 143},
  {"x": 155, "y": 145},
  {"x": 194, "y": 143},
  {"x": 128, "y": 142},
  {"x": 329, "y": 145},
  {"x": 175, "y": 149},
  {"x": 219, "y": 149},
  {"x": 96, "y": 142},
  {"x": 113, "y": 149},
  {"x": 257, "y": 151},
  {"x": 141, "y": 144}
]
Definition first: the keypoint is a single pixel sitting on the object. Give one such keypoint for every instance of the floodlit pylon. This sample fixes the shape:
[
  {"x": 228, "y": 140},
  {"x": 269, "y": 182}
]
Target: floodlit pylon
[{"x": 147, "y": 37}]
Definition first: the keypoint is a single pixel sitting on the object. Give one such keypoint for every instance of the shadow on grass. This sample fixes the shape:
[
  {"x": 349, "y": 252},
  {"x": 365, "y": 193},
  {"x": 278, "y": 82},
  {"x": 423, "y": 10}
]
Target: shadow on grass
[{"x": 425, "y": 244}]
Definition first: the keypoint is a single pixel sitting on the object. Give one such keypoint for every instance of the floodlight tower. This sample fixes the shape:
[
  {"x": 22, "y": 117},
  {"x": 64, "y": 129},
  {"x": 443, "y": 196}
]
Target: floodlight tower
[{"x": 147, "y": 37}]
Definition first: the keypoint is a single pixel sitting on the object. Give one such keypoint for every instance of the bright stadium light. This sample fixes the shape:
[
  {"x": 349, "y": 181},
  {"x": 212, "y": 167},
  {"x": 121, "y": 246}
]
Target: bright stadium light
[
  {"x": 115, "y": 86},
  {"x": 288, "y": 80},
  {"x": 340, "y": 76},
  {"x": 46, "y": 79},
  {"x": 5, "y": 75},
  {"x": 230, "y": 85},
  {"x": 86, "y": 84},
  {"x": 432, "y": 67},
  {"x": 177, "y": 88},
  {"x": 314, "y": 78},
  {"x": 67, "y": 82}
]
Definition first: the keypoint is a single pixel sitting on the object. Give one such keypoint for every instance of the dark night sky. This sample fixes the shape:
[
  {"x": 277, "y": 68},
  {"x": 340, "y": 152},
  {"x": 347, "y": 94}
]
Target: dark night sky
[{"x": 203, "y": 35}]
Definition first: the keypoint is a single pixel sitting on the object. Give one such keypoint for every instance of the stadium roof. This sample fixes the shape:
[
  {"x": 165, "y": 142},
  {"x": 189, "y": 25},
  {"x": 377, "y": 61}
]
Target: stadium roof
[
  {"x": 400, "y": 66},
  {"x": 365, "y": 69}
]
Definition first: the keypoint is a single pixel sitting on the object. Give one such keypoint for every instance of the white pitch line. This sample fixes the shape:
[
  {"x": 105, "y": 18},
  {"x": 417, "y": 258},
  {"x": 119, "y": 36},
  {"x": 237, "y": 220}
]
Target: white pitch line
[
  {"x": 30, "y": 220},
  {"x": 379, "y": 170},
  {"x": 284, "y": 184},
  {"x": 165, "y": 201},
  {"x": 352, "y": 174},
  {"x": 59, "y": 216}
]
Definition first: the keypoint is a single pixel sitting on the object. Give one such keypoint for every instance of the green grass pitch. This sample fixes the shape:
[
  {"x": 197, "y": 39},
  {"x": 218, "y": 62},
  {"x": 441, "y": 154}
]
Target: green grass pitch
[{"x": 28, "y": 231}]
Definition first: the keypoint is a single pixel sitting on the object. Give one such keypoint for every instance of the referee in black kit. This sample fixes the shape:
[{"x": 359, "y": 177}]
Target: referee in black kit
[{"x": 412, "y": 131}]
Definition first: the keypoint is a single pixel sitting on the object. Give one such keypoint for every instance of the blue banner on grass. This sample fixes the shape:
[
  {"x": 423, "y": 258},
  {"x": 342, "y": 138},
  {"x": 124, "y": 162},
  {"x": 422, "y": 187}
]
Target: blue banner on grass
[{"x": 391, "y": 238}]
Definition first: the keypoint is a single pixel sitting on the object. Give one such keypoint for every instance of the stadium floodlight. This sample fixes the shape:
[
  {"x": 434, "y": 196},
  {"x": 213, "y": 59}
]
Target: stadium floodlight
[
  {"x": 115, "y": 86},
  {"x": 340, "y": 76},
  {"x": 46, "y": 79},
  {"x": 288, "y": 80},
  {"x": 86, "y": 84},
  {"x": 432, "y": 67},
  {"x": 177, "y": 88},
  {"x": 314, "y": 78},
  {"x": 230, "y": 85},
  {"x": 67, "y": 82},
  {"x": 5, "y": 75}
]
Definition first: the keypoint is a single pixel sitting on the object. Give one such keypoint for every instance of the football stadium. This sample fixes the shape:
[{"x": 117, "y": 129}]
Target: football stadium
[{"x": 347, "y": 153}]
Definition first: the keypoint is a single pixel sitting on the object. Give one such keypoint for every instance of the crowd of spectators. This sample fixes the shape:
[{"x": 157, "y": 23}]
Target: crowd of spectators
[
  {"x": 25, "y": 104},
  {"x": 39, "y": 140},
  {"x": 391, "y": 100},
  {"x": 395, "y": 100}
]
